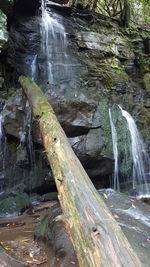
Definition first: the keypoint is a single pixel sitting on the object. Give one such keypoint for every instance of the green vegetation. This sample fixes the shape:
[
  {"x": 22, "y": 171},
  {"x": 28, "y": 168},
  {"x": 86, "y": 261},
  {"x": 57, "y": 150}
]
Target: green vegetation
[
  {"x": 15, "y": 203},
  {"x": 125, "y": 11}
]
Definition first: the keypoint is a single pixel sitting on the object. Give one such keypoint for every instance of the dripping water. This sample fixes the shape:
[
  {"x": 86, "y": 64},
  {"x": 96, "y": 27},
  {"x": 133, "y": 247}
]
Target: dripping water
[
  {"x": 2, "y": 153},
  {"x": 29, "y": 138},
  {"x": 34, "y": 68},
  {"x": 26, "y": 146},
  {"x": 115, "y": 153}
]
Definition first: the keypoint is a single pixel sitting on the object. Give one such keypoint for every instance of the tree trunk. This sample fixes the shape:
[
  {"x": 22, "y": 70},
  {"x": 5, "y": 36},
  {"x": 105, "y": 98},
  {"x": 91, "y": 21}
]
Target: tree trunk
[{"x": 96, "y": 236}]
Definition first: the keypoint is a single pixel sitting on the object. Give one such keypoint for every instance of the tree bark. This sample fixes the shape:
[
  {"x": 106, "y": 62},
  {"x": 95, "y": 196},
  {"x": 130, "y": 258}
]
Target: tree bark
[{"x": 96, "y": 236}]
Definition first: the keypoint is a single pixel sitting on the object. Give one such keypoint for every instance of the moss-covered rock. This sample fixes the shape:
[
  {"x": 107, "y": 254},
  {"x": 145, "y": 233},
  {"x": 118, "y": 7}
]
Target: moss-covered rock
[
  {"x": 147, "y": 82},
  {"x": 51, "y": 229},
  {"x": 14, "y": 204}
]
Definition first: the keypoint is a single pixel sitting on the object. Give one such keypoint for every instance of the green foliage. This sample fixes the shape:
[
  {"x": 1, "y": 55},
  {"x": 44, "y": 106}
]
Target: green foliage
[
  {"x": 125, "y": 11},
  {"x": 140, "y": 12},
  {"x": 14, "y": 204}
]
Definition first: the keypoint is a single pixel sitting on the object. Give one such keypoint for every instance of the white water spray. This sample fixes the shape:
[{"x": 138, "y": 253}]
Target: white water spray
[
  {"x": 141, "y": 162},
  {"x": 115, "y": 153},
  {"x": 2, "y": 153},
  {"x": 53, "y": 46},
  {"x": 34, "y": 68}
]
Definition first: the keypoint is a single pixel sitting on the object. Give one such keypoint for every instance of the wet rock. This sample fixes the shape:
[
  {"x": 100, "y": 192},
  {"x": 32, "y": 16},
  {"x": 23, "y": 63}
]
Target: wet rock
[
  {"x": 3, "y": 30},
  {"x": 1, "y": 82},
  {"x": 133, "y": 217},
  {"x": 74, "y": 110},
  {"x": 28, "y": 7},
  {"x": 14, "y": 204},
  {"x": 8, "y": 261},
  {"x": 53, "y": 231},
  {"x": 61, "y": 2},
  {"x": 147, "y": 82},
  {"x": 147, "y": 45},
  {"x": 13, "y": 114},
  {"x": 49, "y": 196},
  {"x": 26, "y": 32},
  {"x": 6, "y": 6},
  {"x": 111, "y": 44}
]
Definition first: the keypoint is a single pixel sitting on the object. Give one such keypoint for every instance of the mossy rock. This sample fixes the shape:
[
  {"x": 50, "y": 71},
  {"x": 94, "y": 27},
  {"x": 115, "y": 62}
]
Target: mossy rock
[
  {"x": 14, "y": 204},
  {"x": 147, "y": 82},
  {"x": 43, "y": 230}
]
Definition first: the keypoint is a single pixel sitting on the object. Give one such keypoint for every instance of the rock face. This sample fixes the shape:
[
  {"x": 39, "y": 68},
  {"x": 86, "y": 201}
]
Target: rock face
[
  {"x": 109, "y": 67},
  {"x": 3, "y": 30},
  {"x": 51, "y": 229}
]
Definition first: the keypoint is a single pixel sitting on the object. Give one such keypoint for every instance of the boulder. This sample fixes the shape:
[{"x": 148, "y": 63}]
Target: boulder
[
  {"x": 51, "y": 229},
  {"x": 14, "y": 204}
]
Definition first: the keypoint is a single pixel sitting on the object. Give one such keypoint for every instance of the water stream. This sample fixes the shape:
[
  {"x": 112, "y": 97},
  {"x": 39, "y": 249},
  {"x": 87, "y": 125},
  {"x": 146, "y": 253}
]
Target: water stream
[
  {"x": 141, "y": 162},
  {"x": 115, "y": 153},
  {"x": 138, "y": 171},
  {"x": 54, "y": 47},
  {"x": 34, "y": 68},
  {"x": 2, "y": 154}
]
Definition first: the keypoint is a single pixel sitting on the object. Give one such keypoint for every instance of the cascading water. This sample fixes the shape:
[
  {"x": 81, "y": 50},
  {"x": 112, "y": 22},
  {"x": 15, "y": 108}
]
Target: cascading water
[
  {"x": 53, "y": 47},
  {"x": 34, "y": 68},
  {"x": 141, "y": 162},
  {"x": 2, "y": 153},
  {"x": 26, "y": 147},
  {"x": 115, "y": 153}
]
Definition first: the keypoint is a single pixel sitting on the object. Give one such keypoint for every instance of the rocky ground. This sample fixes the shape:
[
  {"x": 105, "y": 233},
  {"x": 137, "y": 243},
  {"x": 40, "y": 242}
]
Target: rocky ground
[{"x": 37, "y": 238}]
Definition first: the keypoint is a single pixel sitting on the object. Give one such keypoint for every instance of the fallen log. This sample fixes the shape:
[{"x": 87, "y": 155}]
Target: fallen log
[{"x": 96, "y": 236}]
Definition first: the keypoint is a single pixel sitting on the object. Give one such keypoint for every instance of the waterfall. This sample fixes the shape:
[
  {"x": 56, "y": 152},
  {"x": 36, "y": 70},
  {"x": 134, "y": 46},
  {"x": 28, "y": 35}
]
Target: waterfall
[
  {"x": 115, "y": 153},
  {"x": 2, "y": 153},
  {"x": 34, "y": 68},
  {"x": 54, "y": 47},
  {"x": 141, "y": 162}
]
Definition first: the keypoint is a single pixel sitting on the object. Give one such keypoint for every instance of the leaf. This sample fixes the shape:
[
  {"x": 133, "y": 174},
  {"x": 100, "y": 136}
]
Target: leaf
[
  {"x": 8, "y": 249},
  {"x": 116, "y": 216},
  {"x": 105, "y": 196},
  {"x": 25, "y": 240},
  {"x": 133, "y": 206},
  {"x": 34, "y": 261}
]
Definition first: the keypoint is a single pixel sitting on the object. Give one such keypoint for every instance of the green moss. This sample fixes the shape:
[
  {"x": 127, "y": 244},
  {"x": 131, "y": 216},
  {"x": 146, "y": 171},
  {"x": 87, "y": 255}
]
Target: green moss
[
  {"x": 14, "y": 204},
  {"x": 119, "y": 70},
  {"x": 106, "y": 129},
  {"x": 113, "y": 72},
  {"x": 147, "y": 82},
  {"x": 124, "y": 142},
  {"x": 42, "y": 228}
]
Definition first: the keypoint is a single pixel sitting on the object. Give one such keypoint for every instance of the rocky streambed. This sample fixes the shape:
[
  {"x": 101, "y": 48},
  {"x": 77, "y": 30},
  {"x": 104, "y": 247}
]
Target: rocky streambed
[{"x": 37, "y": 238}]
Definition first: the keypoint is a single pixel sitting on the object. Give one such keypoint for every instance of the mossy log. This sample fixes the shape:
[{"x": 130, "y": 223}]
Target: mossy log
[{"x": 96, "y": 236}]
